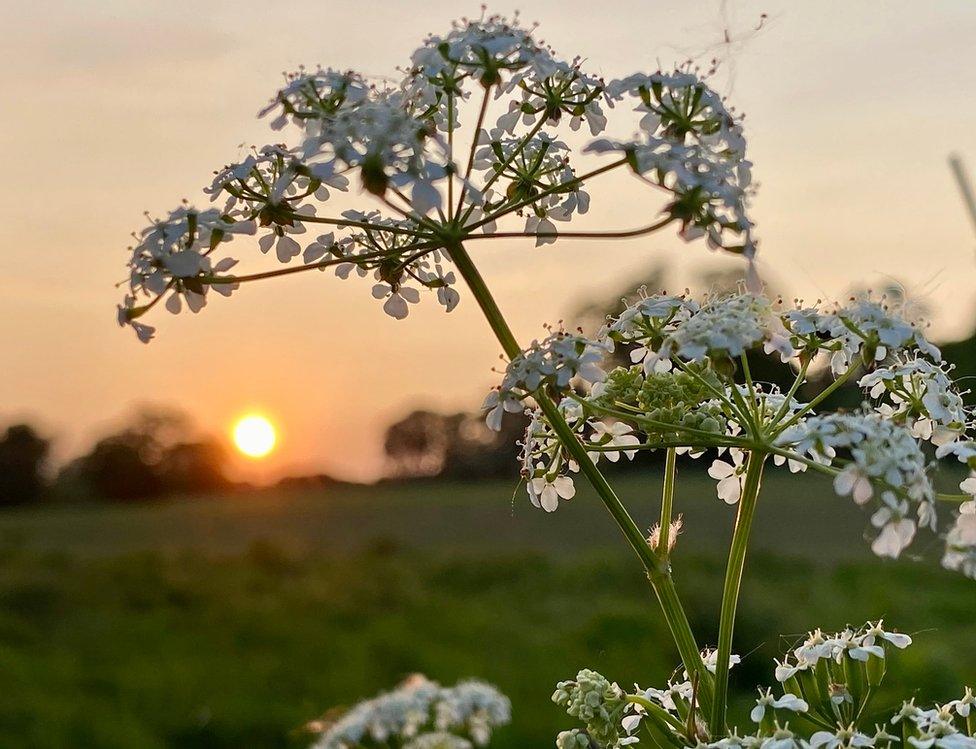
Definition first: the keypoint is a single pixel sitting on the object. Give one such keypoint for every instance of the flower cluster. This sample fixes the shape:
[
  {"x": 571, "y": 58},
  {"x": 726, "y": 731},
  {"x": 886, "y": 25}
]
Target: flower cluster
[
  {"x": 396, "y": 141},
  {"x": 423, "y": 715},
  {"x": 171, "y": 260},
  {"x": 598, "y": 703},
  {"x": 826, "y": 683},
  {"x": 690, "y": 390},
  {"x": 317, "y": 95},
  {"x": 535, "y": 172},
  {"x": 726, "y": 326},
  {"x": 551, "y": 363},
  {"x": 690, "y": 144},
  {"x": 872, "y": 328},
  {"x": 921, "y": 393},
  {"x": 883, "y": 454}
]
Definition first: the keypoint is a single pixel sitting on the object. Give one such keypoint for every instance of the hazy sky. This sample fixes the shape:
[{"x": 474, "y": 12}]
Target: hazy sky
[{"x": 113, "y": 108}]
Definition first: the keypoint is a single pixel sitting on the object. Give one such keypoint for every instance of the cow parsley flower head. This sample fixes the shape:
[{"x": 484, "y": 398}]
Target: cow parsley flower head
[
  {"x": 560, "y": 89},
  {"x": 595, "y": 701},
  {"x": 690, "y": 144},
  {"x": 314, "y": 95},
  {"x": 872, "y": 329},
  {"x": 546, "y": 464},
  {"x": 960, "y": 551},
  {"x": 387, "y": 142},
  {"x": 472, "y": 707},
  {"x": 482, "y": 49},
  {"x": 920, "y": 392},
  {"x": 422, "y": 714},
  {"x": 400, "y": 142},
  {"x": 726, "y": 327},
  {"x": 539, "y": 165},
  {"x": 272, "y": 185},
  {"x": 882, "y": 452},
  {"x": 551, "y": 363},
  {"x": 397, "y": 714},
  {"x": 645, "y": 323},
  {"x": 170, "y": 260}
]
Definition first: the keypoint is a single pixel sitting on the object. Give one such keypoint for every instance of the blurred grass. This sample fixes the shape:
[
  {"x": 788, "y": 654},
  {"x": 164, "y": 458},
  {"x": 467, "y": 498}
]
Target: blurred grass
[{"x": 229, "y": 623}]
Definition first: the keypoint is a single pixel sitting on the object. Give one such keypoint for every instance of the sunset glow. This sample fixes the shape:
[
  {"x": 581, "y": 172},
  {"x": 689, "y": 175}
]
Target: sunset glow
[{"x": 254, "y": 436}]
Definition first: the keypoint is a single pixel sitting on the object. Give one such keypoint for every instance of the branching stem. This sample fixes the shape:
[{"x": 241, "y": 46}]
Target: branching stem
[
  {"x": 733, "y": 584},
  {"x": 658, "y": 571}
]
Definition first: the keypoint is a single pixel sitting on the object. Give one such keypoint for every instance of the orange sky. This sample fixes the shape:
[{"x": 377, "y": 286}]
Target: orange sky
[{"x": 116, "y": 107}]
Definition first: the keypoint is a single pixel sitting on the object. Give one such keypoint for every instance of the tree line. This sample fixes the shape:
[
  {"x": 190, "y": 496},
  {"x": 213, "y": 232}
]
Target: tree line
[{"x": 147, "y": 458}]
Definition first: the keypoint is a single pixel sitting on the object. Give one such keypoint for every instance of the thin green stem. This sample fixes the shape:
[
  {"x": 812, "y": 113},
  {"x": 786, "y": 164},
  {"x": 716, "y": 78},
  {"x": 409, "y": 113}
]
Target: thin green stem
[
  {"x": 217, "y": 280},
  {"x": 733, "y": 584},
  {"x": 662, "y": 445},
  {"x": 824, "y": 394},
  {"x": 667, "y": 502},
  {"x": 658, "y": 573},
  {"x": 745, "y": 411},
  {"x": 563, "y": 187},
  {"x": 652, "y": 707},
  {"x": 340, "y": 222},
  {"x": 747, "y": 373},
  {"x": 662, "y": 426},
  {"x": 474, "y": 148},
  {"x": 800, "y": 378},
  {"x": 622, "y": 234}
]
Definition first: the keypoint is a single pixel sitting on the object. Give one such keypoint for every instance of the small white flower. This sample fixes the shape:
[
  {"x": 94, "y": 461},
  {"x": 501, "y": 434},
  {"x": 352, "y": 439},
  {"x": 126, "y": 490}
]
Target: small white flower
[
  {"x": 710, "y": 659},
  {"x": 617, "y": 434},
  {"x": 546, "y": 493},
  {"x": 730, "y": 476},
  {"x": 396, "y": 299},
  {"x": 786, "y": 702}
]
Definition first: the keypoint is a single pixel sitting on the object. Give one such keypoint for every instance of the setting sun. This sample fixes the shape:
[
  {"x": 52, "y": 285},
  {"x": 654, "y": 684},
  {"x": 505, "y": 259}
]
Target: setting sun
[{"x": 254, "y": 436}]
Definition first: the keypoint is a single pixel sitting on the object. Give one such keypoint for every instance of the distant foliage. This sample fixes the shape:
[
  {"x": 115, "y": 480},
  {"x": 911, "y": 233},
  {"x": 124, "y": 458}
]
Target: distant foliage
[
  {"x": 23, "y": 455},
  {"x": 147, "y": 459},
  {"x": 429, "y": 444}
]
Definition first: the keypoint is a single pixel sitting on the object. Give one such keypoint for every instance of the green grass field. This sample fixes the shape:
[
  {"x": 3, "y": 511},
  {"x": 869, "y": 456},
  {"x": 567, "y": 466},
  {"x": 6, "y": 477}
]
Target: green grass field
[{"x": 229, "y": 623}]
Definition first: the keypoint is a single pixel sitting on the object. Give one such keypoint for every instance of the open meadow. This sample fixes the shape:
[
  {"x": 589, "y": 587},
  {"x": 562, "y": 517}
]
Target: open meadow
[{"x": 230, "y": 622}]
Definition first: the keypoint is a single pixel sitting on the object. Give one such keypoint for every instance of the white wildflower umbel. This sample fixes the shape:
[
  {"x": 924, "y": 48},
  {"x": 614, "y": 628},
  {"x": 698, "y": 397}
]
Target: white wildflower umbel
[
  {"x": 315, "y": 95},
  {"x": 398, "y": 142},
  {"x": 726, "y": 326},
  {"x": 552, "y": 364},
  {"x": 885, "y": 456},
  {"x": 921, "y": 393},
  {"x": 172, "y": 261},
  {"x": 690, "y": 144},
  {"x": 421, "y": 714},
  {"x": 960, "y": 550},
  {"x": 872, "y": 329},
  {"x": 546, "y": 465},
  {"x": 598, "y": 703},
  {"x": 831, "y": 683}
]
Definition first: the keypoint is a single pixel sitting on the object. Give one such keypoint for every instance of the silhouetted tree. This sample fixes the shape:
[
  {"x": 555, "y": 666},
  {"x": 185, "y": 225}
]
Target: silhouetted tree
[
  {"x": 149, "y": 458},
  {"x": 23, "y": 454},
  {"x": 425, "y": 443},
  {"x": 417, "y": 445},
  {"x": 192, "y": 467}
]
